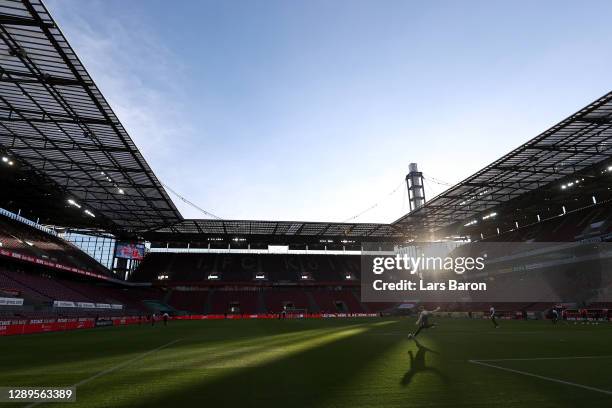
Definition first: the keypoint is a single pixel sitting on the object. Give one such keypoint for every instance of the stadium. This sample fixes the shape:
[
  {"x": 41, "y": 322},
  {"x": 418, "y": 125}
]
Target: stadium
[{"x": 109, "y": 297}]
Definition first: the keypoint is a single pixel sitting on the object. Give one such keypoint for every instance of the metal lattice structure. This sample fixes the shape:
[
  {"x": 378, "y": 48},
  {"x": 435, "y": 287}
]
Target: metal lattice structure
[
  {"x": 281, "y": 231},
  {"x": 576, "y": 144},
  {"x": 55, "y": 122}
]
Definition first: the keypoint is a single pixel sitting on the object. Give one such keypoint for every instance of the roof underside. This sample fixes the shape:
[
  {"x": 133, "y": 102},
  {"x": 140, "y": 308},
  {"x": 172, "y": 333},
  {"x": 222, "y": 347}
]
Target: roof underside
[
  {"x": 279, "y": 231},
  {"x": 576, "y": 144},
  {"x": 55, "y": 122}
]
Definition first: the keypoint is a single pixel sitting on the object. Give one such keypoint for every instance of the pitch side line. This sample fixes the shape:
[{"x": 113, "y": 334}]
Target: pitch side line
[
  {"x": 541, "y": 377},
  {"x": 112, "y": 369}
]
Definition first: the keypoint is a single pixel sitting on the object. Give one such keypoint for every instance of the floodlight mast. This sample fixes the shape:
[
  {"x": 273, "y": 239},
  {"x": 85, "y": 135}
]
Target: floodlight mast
[{"x": 416, "y": 187}]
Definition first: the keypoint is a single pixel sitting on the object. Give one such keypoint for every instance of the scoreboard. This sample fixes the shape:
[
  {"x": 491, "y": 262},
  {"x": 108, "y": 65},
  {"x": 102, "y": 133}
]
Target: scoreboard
[{"x": 130, "y": 250}]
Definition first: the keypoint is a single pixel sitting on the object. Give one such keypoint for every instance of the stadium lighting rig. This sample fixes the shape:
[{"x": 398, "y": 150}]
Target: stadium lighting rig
[
  {"x": 87, "y": 212},
  {"x": 115, "y": 185},
  {"x": 7, "y": 161},
  {"x": 74, "y": 203},
  {"x": 571, "y": 184}
]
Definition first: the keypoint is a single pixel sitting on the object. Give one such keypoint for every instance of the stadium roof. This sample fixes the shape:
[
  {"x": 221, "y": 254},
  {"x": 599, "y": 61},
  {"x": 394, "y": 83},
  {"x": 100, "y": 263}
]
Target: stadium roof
[
  {"x": 55, "y": 123},
  {"x": 281, "y": 231},
  {"x": 576, "y": 144},
  {"x": 68, "y": 144}
]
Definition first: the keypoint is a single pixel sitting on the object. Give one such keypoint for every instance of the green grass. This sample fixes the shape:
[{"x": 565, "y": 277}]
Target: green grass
[{"x": 317, "y": 363}]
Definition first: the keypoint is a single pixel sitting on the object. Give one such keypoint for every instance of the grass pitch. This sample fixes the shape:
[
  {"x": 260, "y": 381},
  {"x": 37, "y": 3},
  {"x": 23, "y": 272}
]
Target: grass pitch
[{"x": 320, "y": 363}]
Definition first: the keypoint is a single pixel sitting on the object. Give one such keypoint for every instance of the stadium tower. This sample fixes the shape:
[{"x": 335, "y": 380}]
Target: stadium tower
[{"x": 416, "y": 188}]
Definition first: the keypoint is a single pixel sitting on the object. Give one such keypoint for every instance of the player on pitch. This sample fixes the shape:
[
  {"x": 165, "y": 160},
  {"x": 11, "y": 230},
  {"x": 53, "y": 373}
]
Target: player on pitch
[
  {"x": 492, "y": 316},
  {"x": 423, "y": 321}
]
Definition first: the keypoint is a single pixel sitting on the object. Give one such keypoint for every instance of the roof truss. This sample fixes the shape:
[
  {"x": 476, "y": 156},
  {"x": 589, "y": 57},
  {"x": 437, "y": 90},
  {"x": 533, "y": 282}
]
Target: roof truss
[
  {"x": 55, "y": 121},
  {"x": 581, "y": 141}
]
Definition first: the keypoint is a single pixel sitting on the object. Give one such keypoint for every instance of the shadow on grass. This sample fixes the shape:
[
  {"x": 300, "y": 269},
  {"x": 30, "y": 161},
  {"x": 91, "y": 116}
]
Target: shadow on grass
[{"x": 418, "y": 365}]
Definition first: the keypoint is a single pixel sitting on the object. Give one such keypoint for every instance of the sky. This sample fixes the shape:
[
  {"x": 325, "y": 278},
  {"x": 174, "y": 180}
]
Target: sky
[{"x": 312, "y": 110}]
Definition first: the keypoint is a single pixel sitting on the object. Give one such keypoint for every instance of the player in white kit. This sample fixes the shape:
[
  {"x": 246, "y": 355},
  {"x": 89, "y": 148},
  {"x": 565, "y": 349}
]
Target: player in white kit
[{"x": 423, "y": 321}]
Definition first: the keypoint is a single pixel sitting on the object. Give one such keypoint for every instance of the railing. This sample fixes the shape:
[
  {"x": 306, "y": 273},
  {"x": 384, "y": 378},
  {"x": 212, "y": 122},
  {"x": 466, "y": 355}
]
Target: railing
[{"x": 23, "y": 220}]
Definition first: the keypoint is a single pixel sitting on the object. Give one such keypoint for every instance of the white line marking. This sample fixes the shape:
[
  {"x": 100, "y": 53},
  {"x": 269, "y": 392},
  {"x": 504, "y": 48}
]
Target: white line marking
[
  {"x": 111, "y": 369},
  {"x": 586, "y": 387},
  {"x": 544, "y": 358}
]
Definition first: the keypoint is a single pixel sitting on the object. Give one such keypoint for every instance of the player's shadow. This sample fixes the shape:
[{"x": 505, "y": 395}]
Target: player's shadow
[{"x": 418, "y": 365}]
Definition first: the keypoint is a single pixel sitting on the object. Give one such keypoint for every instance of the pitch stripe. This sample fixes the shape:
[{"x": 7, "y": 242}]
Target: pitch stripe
[
  {"x": 112, "y": 369},
  {"x": 586, "y": 387}
]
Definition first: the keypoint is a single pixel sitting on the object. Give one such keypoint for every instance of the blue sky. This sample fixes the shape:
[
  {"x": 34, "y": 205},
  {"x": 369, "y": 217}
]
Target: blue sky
[{"x": 312, "y": 110}]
